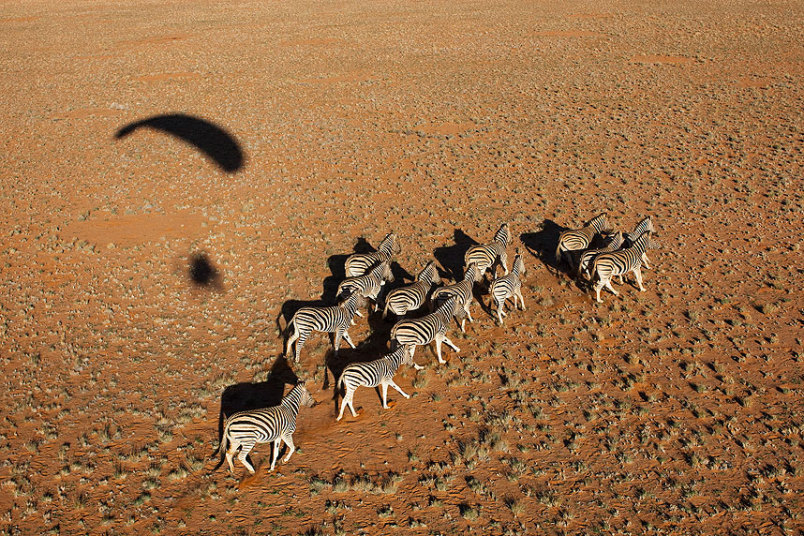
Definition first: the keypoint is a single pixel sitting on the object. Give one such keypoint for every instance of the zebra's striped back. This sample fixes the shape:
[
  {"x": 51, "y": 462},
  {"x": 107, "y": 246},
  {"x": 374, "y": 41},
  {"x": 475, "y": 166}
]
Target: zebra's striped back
[
  {"x": 326, "y": 319},
  {"x": 368, "y": 285},
  {"x": 588, "y": 256},
  {"x": 335, "y": 319},
  {"x": 371, "y": 373},
  {"x": 462, "y": 290},
  {"x": 484, "y": 256},
  {"x": 607, "y": 265},
  {"x": 577, "y": 239},
  {"x": 421, "y": 331},
  {"x": 360, "y": 263},
  {"x": 409, "y": 298}
]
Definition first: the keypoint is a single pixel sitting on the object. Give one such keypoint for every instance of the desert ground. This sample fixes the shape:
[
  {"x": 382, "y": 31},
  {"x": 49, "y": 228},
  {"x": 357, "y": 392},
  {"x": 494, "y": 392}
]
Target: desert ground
[{"x": 146, "y": 282}]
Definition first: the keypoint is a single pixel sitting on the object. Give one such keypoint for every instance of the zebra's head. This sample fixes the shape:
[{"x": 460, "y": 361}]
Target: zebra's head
[
  {"x": 616, "y": 241},
  {"x": 598, "y": 222},
  {"x": 407, "y": 355},
  {"x": 307, "y": 399},
  {"x": 519, "y": 263},
  {"x": 503, "y": 235},
  {"x": 386, "y": 274},
  {"x": 472, "y": 273},
  {"x": 352, "y": 302},
  {"x": 390, "y": 244}
]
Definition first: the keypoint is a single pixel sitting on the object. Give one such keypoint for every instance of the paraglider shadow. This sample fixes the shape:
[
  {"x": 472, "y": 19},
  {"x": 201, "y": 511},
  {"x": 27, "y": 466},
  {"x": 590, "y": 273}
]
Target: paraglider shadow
[{"x": 209, "y": 138}]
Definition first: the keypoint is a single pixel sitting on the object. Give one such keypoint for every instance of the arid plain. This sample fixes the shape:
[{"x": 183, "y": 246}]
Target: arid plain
[{"x": 677, "y": 410}]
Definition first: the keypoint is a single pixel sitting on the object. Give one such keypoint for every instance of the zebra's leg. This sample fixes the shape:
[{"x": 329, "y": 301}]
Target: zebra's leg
[
  {"x": 499, "y": 310},
  {"x": 384, "y": 388},
  {"x": 348, "y": 339},
  {"x": 608, "y": 286},
  {"x": 292, "y": 339},
  {"x": 300, "y": 344},
  {"x": 504, "y": 262},
  {"x": 450, "y": 343},
  {"x": 597, "y": 290},
  {"x": 466, "y": 308},
  {"x": 230, "y": 454},
  {"x": 243, "y": 456},
  {"x": 395, "y": 386},
  {"x": 463, "y": 325},
  {"x": 438, "y": 340},
  {"x": 638, "y": 274},
  {"x": 521, "y": 299},
  {"x": 347, "y": 397},
  {"x": 275, "y": 453},
  {"x": 645, "y": 260},
  {"x": 358, "y": 313},
  {"x": 288, "y": 439}
]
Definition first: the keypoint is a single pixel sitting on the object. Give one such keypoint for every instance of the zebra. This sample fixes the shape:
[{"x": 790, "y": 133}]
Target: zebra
[
  {"x": 645, "y": 225},
  {"x": 401, "y": 300},
  {"x": 371, "y": 374},
  {"x": 577, "y": 239},
  {"x": 508, "y": 286},
  {"x": 585, "y": 262},
  {"x": 335, "y": 319},
  {"x": 424, "y": 330},
  {"x": 360, "y": 263},
  {"x": 245, "y": 429},
  {"x": 369, "y": 284},
  {"x": 485, "y": 256},
  {"x": 607, "y": 265},
  {"x": 462, "y": 292}
]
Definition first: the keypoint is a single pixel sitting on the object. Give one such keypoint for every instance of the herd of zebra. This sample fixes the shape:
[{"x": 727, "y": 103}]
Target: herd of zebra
[{"x": 367, "y": 273}]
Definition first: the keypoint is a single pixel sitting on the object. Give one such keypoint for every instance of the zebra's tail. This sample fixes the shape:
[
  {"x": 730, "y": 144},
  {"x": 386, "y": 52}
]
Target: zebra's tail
[{"x": 224, "y": 446}]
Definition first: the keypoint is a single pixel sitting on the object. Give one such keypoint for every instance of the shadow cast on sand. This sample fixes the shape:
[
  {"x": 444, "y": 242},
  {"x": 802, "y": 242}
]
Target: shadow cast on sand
[
  {"x": 209, "y": 138},
  {"x": 451, "y": 257},
  {"x": 543, "y": 243}
]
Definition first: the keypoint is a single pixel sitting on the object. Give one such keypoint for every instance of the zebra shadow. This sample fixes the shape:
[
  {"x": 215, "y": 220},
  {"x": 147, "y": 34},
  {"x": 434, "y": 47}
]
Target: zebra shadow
[
  {"x": 543, "y": 243},
  {"x": 337, "y": 267},
  {"x": 451, "y": 257},
  {"x": 255, "y": 395}
]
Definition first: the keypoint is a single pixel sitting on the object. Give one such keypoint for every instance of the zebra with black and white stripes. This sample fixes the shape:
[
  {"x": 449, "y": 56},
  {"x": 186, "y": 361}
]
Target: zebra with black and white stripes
[
  {"x": 360, "y": 263},
  {"x": 369, "y": 284},
  {"x": 421, "y": 331},
  {"x": 508, "y": 286},
  {"x": 588, "y": 256},
  {"x": 371, "y": 374},
  {"x": 409, "y": 298},
  {"x": 462, "y": 291},
  {"x": 487, "y": 255},
  {"x": 335, "y": 319},
  {"x": 607, "y": 265},
  {"x": 578, "y": 239},
  {"x": 645, "y": 225},
  {"x": 245, "y": 429}
]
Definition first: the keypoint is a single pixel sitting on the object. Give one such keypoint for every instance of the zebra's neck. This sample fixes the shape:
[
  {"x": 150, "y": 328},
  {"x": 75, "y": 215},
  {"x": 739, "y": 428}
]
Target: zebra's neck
[
  {"x": 597, "y": 224},
  {"x": 395, "y": 359},
  {"x": 293, "y": 400},
  {"x": 470, "y": 274}
]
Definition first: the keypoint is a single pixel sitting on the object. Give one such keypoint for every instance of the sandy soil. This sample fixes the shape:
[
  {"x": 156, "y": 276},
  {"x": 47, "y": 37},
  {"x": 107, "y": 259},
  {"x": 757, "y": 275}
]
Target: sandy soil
[{"x": 673, "y": 411}]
